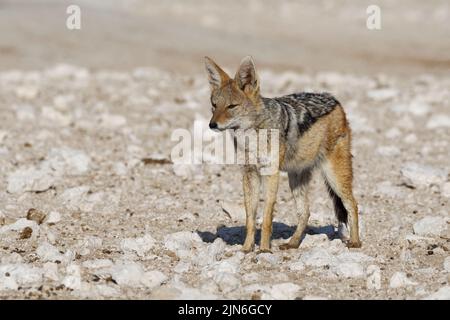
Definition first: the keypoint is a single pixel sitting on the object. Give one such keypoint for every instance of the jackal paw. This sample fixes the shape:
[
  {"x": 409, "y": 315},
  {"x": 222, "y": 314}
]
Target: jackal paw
[
  {"x": 264, "y": 250},
  {"x": 353, "y": 244},
  {"x": 247, "y": 248}
]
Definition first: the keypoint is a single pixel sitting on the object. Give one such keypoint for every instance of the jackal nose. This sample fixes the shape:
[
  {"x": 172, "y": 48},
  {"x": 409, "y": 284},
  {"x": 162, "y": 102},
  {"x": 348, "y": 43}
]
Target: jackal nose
[{"x": 213, "y": 125}]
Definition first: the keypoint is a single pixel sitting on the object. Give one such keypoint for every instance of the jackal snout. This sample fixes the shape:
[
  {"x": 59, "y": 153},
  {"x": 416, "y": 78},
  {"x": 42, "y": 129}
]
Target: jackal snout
[{"x": 212, "y": 125}]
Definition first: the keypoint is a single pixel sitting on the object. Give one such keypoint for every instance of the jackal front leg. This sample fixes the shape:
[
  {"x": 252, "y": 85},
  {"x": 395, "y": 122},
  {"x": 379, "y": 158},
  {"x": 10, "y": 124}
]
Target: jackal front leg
[
  {"x": 271, "y": 189},
  {"x": 251, "y": 184}
]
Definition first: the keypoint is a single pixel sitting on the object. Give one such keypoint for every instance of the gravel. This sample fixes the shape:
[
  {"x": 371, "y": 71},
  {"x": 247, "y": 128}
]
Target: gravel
[{"x": 90, "y": 150}]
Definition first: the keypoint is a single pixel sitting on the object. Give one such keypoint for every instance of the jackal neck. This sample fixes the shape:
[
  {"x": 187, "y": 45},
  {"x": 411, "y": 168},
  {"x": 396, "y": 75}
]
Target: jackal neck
[{"x": 268, "y": 115}]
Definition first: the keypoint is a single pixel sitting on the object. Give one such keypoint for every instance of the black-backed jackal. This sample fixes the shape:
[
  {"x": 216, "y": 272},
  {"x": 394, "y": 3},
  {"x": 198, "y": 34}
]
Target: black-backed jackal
[{"x": 313, "y": 133}]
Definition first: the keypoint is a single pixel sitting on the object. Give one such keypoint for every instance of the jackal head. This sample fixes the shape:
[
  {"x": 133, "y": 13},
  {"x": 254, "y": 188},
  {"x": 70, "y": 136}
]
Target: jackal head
[{"x": 235, "y": 102}]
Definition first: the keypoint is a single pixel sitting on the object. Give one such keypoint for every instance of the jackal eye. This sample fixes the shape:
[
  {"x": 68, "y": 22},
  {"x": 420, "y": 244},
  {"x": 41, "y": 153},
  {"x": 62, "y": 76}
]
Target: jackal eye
[{"x": 231, "y": 106}]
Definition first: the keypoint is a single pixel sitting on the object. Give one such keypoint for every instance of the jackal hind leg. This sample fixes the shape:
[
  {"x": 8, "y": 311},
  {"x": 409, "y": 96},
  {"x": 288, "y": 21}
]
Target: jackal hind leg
[
  {"x": 338, "y": 175},
  {"x": 298, "y": 182}
]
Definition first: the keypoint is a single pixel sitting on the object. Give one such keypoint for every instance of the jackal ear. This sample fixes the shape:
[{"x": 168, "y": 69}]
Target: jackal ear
[
  {"x": 246, "y": 77},
  {"x": 216, "y": 76}
]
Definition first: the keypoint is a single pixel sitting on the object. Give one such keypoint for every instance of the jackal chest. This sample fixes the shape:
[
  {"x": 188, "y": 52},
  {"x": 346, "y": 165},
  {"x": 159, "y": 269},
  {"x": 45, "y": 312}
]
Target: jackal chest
[{"x": 257, "y": 150}]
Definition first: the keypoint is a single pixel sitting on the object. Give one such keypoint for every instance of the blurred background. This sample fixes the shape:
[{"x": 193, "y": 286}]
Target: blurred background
[{"x": 282, "y": 35}]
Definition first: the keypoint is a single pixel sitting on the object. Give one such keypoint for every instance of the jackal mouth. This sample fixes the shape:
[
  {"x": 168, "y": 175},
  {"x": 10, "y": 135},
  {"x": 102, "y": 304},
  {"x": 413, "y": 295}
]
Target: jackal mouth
[{"x": 219, "y": 129}]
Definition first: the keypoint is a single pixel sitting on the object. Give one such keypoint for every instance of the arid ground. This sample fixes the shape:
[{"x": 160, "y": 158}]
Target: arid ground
[{"x": 91, "y": 205}]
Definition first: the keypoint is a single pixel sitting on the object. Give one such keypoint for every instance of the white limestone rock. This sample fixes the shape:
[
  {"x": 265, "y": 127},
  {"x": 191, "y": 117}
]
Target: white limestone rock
[
  {"x": 226, "y": 281},
  {"x": 297, "y": 266},
  {"x": 393, "y": 133},
  {"x": 19, "y": 225},
  {"x": 53, "y": 217},
  {"x": 317, "y": 257},
  {"x": 67, "y": 161},
  {"x": 314, "y": 240},
  {"x": 55, "y": 117},
  {"x": 140, "y": 246},
  {"x": 182, "y": 267},
  {"x": 97, "y": 263},
  {"x": 14, "y": 275},
  {"x": 282, "y": 291},
  {"x": 348, "y": 270},
  {"x": 50, "y": 271},
  {"x": 112, "y": 121},
  {"x": 357, "y": 257},
  {"x": 373, "y": 277},
  {"x": 48, "y": 252},
  {"x": 399, "y": 279},
  {"x": 388, "y": 151},
  {"x": 445, "y": 189},
  {"x": 30, "y": 179},
  {"x": 418, "y": 175},
  {"x": 214, "y": 252},
  {"x": 186, "y": 293},
  {"x": 26, "y": 92},
  {"x": 382, "y": 94},
  {"x": 132, "y": 274},
  {"x": 72, "y": 280},
  {"x": 87, "y": 245},
  {"x": 447, "y": 264},
  {"x": 442, "y": 294},
  {"x": 183, "y": 243},
  {"x": 438, "y": 121},
  {"x": 268, "y": 258},
  {"x": 430, "y": 226},
  {"x": 234, "y": 211}
]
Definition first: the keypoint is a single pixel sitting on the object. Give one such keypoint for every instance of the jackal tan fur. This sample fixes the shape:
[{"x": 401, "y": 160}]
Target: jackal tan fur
[{"x": 313, "y": 134}]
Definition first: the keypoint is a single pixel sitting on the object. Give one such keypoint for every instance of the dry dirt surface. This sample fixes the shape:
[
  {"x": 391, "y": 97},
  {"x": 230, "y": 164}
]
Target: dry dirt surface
[{"x": 92, "y": 207}]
